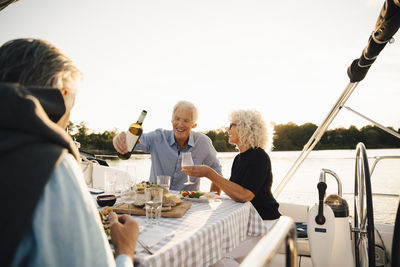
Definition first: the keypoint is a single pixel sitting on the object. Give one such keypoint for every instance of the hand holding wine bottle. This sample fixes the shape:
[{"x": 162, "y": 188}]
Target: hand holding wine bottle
[{"x": 131, "y": 138}]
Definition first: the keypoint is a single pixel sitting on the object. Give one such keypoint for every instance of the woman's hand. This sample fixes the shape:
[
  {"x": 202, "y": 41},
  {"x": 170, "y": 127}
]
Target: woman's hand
[
  {"x": 233, "y": 190},
  {"x": 198, "y": 171}
]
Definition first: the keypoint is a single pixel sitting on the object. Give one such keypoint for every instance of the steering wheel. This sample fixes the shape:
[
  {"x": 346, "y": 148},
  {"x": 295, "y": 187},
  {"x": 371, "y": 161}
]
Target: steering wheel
[{"x": 364, "y": 236}]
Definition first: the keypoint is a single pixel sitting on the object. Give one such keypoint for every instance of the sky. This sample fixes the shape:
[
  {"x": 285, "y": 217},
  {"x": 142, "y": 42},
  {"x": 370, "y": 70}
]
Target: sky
[{"x": 287, "y": 59}]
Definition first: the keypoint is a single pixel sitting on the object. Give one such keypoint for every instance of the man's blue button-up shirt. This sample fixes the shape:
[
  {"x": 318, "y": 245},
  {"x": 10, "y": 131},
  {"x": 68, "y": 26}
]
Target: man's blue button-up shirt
[{"x": 166, "y": 157}]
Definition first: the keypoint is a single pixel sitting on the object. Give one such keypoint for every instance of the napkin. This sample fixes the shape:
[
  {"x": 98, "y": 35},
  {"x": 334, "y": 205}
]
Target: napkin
[{"x": 152, "y": 234}]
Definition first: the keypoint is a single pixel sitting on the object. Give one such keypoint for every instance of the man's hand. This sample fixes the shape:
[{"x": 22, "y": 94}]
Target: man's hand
[
  {"x": 119, "y": 143},
  {"x": 124, "y": 233}
]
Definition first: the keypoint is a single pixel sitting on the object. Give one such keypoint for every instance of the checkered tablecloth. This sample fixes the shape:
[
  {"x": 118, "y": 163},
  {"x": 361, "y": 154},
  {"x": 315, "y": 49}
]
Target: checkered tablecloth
[{"x": 203, "y": 235}]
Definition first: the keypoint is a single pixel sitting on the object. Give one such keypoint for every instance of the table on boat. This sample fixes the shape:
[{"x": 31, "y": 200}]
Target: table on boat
[{"x": 203, "y": 235}]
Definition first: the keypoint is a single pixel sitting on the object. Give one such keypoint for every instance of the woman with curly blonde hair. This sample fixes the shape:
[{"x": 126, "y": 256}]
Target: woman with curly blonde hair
[
  {"x": 251, "y": 175},
  {"x": 252, "y": 130}
]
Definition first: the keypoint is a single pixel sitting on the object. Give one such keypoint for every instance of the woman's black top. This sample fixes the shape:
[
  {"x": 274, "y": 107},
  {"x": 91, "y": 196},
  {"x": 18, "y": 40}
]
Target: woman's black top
[{"x": 252, "y": 170}]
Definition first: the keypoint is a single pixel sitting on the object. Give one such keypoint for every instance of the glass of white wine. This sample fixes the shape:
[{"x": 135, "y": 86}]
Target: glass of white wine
[{"x": 187, "y": 161}]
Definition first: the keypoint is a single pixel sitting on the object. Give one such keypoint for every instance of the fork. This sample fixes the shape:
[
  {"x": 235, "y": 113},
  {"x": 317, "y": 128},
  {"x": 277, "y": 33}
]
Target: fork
[{"x": 145, "y": 247}]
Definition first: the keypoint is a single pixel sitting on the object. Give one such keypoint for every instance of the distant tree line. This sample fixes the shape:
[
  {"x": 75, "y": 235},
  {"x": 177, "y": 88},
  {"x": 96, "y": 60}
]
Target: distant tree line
[
  {"x": 286, "y": 137},
  {"x": 220, "y": 140},
  {"x": 293, "y": 137},
  {"x": 96, "y": 143}
]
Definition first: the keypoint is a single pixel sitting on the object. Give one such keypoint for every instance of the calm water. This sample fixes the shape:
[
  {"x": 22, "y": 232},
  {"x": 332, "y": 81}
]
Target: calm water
[{"x": 302, "y": 188}]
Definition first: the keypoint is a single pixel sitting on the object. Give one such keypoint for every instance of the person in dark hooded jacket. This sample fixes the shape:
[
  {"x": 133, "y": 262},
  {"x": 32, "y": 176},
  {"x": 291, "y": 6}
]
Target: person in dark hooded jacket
[{"x": 51, "y": 219}]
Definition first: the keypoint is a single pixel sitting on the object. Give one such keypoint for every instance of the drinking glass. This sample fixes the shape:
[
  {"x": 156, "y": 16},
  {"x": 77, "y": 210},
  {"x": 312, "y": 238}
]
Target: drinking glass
[
  {"x": 154, "y": 196},
  {"x": 131, "y": 176},
  {"x": 110, "y": 182},
  {"x": 131, "y": 170},
  {"x": 164, "y": 181},
  {"x": 128, "y": 195},
  {"x": 187, "y": 161}
]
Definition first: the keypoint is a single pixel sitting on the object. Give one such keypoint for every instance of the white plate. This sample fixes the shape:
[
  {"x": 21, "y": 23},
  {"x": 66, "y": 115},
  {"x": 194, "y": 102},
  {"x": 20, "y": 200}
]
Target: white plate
[
  {"x": 212, "y": 196},
  {"x": 96, "y": 191},
  {"x": 199, "y": 199}
]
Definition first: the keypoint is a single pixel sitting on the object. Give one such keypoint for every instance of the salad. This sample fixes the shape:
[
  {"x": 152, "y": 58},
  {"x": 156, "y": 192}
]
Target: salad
[{"x": 191, "y": 194}]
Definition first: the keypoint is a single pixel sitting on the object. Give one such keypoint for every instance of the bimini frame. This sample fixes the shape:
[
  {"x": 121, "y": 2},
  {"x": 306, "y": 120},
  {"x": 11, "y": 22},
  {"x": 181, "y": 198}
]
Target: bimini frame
[{"x": 387, "y": 25}]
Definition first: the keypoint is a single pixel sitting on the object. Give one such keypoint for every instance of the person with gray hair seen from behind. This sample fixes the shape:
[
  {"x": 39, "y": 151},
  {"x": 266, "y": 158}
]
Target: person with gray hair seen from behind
[
  {"x": 166, "y": 147},
  {"x": 51, "y": 218}
]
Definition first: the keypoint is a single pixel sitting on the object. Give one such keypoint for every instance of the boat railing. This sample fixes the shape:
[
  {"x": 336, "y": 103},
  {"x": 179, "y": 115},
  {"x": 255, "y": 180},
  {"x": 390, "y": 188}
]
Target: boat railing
[
  {"x": 376, "y": 161},
  {"x": 323, "y": 179},
  {"x": 283, "y": 232},
  {"x": 379, "y": 158}
]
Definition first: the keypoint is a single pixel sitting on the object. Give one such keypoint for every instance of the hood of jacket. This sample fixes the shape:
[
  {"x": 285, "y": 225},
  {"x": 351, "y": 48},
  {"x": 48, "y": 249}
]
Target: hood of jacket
[{"x": 31, "y": 146}]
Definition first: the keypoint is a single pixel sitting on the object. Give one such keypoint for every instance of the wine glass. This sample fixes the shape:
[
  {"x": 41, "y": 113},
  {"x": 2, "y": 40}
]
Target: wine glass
[
  {"x": 130, "y": 170},
  {"x": 128, "y": 196},
  {"x": 187, "y": 161}
]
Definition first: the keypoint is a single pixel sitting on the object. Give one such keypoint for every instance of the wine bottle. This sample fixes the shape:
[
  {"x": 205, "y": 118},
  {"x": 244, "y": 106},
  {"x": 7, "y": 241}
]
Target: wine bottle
[{"x": 133, "y": 134}]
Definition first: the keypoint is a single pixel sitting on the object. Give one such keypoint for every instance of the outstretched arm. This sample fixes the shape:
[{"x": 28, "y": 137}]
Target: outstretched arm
[{"x": 233, "y": 190}]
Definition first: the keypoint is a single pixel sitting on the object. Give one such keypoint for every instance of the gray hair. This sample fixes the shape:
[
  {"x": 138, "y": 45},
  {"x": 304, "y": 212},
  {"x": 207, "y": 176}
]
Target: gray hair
[
  {"x": 35, "y": 62},
  {"x": 186, "y": 105},
  {"x": 252, "y": 129}
]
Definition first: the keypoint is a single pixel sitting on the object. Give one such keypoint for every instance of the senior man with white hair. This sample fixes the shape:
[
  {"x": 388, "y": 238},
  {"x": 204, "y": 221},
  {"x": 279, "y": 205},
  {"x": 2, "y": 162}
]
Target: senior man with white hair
[{"x": 166, "y": 147}]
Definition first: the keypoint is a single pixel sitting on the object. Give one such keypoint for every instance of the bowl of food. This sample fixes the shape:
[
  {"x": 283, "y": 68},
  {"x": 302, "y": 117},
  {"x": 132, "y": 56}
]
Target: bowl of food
[
  {"x": 106, "y": 200},
  {"x": 147, "y": 184}
]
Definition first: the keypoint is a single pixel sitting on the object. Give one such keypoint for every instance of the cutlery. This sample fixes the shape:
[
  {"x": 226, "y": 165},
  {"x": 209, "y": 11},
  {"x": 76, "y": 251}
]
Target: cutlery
[
  {"x": 145, "y": 247},
  {"x": 115, "y": 197}
]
